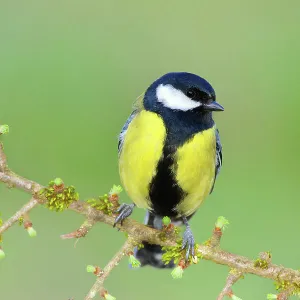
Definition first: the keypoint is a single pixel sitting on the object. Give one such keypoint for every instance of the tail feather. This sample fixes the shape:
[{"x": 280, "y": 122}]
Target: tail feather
[{"x": 152, "y": 254}]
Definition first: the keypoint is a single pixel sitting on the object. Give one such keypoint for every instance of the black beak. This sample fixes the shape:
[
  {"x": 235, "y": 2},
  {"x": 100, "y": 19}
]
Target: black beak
[{"x": 213, "y": 106}]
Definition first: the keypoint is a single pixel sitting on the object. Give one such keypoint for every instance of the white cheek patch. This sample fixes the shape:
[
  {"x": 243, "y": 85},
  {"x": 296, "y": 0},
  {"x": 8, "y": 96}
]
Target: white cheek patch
[{"x": 174, "y": 99}]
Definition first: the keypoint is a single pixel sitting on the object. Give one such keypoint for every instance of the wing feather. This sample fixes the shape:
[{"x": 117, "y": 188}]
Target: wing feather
[
  {"x": 137, "y": 107},
  {"x": 124, "y": 130},
  {"x": 219, "y": 157}
]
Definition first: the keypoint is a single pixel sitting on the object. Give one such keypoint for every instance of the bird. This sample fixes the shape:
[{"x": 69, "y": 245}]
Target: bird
[{"x": 170, "y": 155}]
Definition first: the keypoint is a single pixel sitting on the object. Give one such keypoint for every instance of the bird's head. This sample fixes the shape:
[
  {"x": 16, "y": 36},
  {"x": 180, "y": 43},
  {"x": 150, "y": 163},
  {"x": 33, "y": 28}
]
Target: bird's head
[{"x": 181, "y": 92}]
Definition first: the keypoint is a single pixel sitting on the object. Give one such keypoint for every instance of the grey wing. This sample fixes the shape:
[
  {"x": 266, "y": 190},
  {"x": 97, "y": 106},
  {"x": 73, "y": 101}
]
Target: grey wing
[
  {"x": 219, "y": 158},
  {"x": 124, "y": 130}
]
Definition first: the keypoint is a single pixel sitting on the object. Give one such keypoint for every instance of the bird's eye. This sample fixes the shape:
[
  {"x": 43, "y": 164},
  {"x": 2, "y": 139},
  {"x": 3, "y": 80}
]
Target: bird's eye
[
  {"x": 198, "y": 95},
  {"x": 191, "y": 93},
  {"x": 203, "y": 96}
]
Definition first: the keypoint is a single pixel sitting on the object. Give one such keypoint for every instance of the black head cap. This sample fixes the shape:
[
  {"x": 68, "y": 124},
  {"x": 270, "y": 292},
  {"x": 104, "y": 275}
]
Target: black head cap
[{"x": 182, "y": 91}]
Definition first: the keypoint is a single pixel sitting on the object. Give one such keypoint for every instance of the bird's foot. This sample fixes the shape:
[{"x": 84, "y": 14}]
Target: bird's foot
[
  {"x": 188, "y": 243},
  {"x": 125, "y": 210}
]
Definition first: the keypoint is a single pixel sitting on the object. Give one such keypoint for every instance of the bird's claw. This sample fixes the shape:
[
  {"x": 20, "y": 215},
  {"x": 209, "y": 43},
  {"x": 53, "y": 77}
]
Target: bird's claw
[
  {"x": 125, "y": 210},
  {"x": 188, "y": 243}
]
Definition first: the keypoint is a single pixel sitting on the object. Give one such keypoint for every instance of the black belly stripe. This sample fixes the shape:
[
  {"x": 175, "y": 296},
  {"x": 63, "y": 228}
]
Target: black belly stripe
[{"x": 165, "y": 193}]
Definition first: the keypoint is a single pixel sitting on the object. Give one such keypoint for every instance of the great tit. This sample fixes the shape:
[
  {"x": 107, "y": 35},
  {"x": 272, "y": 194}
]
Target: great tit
[{"x": 170, "y": 155}]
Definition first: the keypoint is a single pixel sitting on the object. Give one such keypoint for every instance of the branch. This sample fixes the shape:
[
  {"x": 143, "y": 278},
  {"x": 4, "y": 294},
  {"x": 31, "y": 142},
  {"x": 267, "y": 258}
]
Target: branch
[
  {"x": 19, "y": 214},
  {"x": 82, "y": 231},
  {"x": 233, "y": 277},
  {"x": 98, "y": 285},
  {"x": 2, "y": 158},
  {"x": 288, "y": 279}
]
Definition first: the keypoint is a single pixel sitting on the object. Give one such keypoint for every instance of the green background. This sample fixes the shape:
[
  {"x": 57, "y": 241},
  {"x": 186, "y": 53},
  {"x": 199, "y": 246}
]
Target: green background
[{"x": 69, "y": 72}]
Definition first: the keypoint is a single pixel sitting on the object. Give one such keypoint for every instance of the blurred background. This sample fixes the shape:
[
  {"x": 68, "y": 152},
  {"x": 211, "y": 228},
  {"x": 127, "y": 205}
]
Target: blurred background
[{"x": 69, "y": 73}]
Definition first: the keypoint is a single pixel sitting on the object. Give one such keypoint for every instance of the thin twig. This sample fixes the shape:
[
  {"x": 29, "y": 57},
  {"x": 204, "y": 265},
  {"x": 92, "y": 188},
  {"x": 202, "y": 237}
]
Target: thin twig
[
  {"x": 82, "y": 231},
  {"x": 98, "y": 285},
  {"x": 216, "y": 238},
  {"x": 233, "y": 277},
  {"x": 141, "y": 232},
  {"x": 15, "y": 218},
  {"x": 3, "y": 163}
]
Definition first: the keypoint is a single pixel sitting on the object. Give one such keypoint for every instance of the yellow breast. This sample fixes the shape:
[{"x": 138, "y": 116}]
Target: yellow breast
[
  {"x": 195, "y": 172},
  {"x": 141, "y": 150}
]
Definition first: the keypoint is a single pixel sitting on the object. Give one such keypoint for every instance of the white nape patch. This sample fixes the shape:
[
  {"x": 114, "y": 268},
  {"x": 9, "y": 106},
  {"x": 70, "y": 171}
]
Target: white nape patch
[{"x": 174, "y": 99}]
